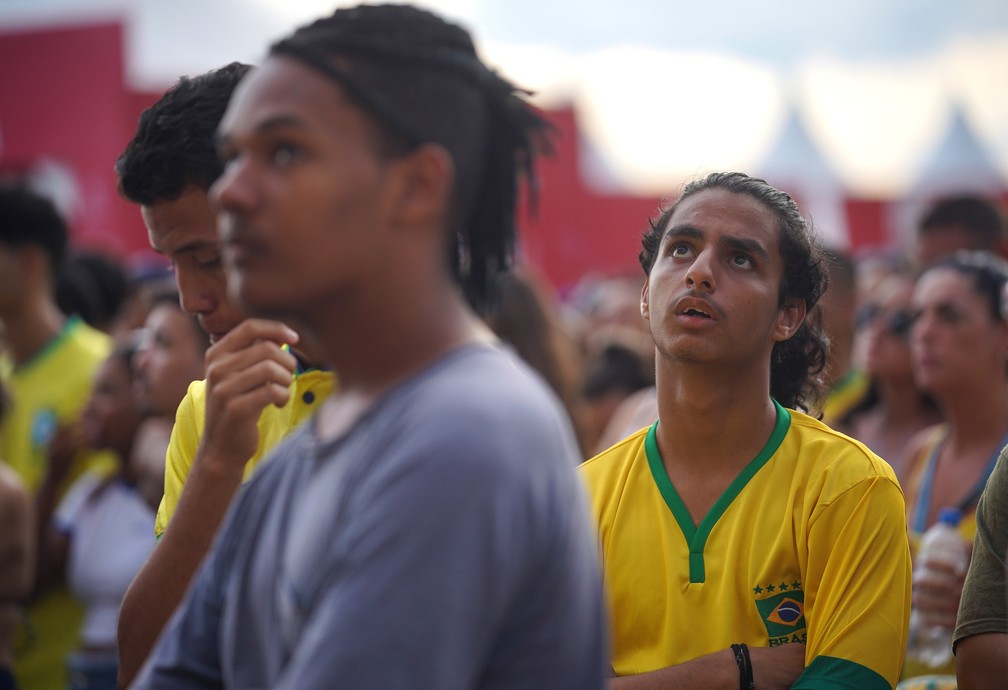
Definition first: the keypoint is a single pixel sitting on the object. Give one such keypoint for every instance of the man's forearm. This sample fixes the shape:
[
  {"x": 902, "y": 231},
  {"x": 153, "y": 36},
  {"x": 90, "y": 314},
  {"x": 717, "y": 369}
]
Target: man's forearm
[
  {"x": 162, "y": 582},
  {"x": 709, "y": 672}
]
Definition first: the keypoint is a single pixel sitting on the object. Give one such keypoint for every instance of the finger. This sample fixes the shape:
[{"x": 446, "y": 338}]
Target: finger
[
  {"x": 250, "y": 403},
  {"x": 224, "y": 365},
  {"x": 260, "y": 373},
  {"x": 252, "y": 330}
]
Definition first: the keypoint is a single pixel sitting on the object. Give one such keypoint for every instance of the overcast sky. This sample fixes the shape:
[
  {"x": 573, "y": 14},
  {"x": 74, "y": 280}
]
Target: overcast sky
[{"x": 664, "y": 87}]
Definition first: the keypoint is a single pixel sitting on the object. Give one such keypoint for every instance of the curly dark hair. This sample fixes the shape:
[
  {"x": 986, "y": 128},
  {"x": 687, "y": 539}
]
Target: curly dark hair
[
  {"x": 174, "y": 147},
  {"x": 421, "y": 80},
  {"x": 797, "y": 363}
]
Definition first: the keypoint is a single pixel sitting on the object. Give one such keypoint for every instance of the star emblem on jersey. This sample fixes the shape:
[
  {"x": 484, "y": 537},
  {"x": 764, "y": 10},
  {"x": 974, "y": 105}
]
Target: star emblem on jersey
[{"x": 782, "y": 609}]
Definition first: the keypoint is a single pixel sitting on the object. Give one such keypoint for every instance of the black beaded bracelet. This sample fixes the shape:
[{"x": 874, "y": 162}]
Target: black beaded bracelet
[{"x": 741, "y": 652}]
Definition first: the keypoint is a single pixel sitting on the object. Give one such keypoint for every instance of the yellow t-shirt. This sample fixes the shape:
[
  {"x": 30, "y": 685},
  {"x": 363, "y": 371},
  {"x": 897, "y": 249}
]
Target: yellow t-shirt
[
  {"x": 48, "y": 390},
  {"x": 308, "y": 389},
  {"x": 808, "y": 544}
]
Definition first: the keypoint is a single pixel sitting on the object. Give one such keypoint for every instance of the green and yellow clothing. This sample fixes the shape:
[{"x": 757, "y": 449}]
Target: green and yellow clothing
[
  {"x": 308, "y": 389},
  {"x": 46, "y": 391},
  {"x": 807, "y": 545}
]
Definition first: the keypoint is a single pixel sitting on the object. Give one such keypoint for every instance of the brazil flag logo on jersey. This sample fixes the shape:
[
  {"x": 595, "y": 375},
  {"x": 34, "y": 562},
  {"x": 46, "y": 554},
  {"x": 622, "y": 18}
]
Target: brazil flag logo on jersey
[{"x": 782, "y": 608}]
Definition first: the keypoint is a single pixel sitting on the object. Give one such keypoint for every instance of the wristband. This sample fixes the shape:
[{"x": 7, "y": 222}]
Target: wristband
[{"x": 741, "y": 652}]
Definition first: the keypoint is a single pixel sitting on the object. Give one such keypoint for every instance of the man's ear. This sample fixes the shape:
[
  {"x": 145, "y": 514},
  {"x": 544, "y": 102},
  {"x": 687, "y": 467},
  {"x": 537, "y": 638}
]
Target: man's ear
[
  {"x": 645, "y": 309},
  {"x": 423, "y": 187},
  {"x": 790, "y": 317}
]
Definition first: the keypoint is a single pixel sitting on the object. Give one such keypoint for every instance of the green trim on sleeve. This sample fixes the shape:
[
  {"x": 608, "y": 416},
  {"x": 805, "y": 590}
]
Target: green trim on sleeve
[
  {"x": 831, "y": 673},
  {"x": 696, "y": 535}
]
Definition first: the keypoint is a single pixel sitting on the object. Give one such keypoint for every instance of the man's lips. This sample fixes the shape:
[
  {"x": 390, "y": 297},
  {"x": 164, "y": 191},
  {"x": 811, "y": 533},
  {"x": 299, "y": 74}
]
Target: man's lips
[{"x": 696, "y": 308}]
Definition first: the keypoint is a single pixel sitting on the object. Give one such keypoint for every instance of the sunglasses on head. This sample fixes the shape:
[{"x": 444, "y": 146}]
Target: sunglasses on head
[{"x": 897, "y": 322}]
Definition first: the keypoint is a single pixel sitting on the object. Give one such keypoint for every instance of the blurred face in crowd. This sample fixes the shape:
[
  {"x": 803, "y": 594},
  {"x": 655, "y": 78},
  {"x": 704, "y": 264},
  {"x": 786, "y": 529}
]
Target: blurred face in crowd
[
  {"x": 885, "y": 322},
  {"x": 957, "y": 344},
  {"x": 185, "y": 231},
  {"x": 171, "y": 359},
  {"x": 111, "y": 415}
]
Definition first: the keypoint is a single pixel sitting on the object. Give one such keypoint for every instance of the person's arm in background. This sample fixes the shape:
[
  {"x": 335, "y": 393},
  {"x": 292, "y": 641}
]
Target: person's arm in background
[
  {"x": 16, "y": 558},
  {"x": 980, "y": 641},
  {"x": 52, "y": 545},
  {"x": 246, "y": 371}
]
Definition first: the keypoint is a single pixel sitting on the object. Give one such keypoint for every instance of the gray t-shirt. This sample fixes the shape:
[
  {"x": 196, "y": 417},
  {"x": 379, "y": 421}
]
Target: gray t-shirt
[{"x": 443, "y": 542}]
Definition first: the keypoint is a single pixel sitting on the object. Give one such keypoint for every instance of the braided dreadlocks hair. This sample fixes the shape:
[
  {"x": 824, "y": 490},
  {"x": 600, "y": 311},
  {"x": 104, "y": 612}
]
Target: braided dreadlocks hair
[{"x": 421, "y": 79}]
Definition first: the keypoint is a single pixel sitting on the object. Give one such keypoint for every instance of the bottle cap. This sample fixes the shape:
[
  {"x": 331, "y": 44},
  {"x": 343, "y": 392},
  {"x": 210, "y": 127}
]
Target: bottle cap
[{"x": 950, "y": 516}]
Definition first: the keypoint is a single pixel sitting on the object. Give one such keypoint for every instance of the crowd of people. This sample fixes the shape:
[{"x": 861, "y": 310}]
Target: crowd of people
[{"x": 346, "y": 442}]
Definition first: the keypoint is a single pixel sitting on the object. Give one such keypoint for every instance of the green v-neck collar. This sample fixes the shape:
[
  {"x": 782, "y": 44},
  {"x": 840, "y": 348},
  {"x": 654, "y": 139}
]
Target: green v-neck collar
[{"x": 696, "y": 535}]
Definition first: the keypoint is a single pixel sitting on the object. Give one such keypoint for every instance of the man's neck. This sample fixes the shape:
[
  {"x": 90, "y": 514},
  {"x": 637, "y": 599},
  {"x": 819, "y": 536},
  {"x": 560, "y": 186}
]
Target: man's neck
[
  {"x": 31, "y": 328},
  {"x": 711, "y": 419},
  {"x": 371, "y": 355}
]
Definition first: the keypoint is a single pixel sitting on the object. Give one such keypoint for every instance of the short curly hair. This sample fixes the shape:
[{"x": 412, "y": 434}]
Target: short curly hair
[
  {"x": 174, "y": 143},
  {"x": 796, "y": 364}
]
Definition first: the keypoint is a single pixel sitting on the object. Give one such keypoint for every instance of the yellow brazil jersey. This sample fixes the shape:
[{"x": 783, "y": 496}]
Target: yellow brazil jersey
[
  {"x": 308, "y": 389},
  {"x": 808, "y": 544},
  {"x": 48, "y": 390}
]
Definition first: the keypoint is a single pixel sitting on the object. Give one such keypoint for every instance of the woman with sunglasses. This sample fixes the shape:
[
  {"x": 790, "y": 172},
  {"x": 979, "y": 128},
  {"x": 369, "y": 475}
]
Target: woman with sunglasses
[
  {"x": 959, "y": 345},
  {"x": 893, "y": 409}
]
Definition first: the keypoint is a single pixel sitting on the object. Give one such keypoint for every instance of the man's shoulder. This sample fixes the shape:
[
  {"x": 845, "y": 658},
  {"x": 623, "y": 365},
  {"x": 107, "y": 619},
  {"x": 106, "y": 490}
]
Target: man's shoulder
[
  {"x": 615, "y": 464},
  {"x": 826, "y": 453}
]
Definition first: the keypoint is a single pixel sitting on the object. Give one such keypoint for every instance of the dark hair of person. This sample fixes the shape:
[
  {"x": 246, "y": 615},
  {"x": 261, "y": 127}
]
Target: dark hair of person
[
  {"x": 987, "y": 272},
  {"x": 978, "y": 217},
  {"x": 93, "y": 286},
  {"x": 616, "y": 368},
  {"x": 29, "y": 219},
  {"x": 796, "y": 363},
  {"x": 420, "y": 79},
  {"x": 174, "y": 146}
]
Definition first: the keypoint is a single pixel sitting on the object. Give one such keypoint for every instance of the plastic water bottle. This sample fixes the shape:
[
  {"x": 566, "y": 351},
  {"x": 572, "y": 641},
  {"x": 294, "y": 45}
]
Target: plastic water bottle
[{"x": 942, "y": 543}]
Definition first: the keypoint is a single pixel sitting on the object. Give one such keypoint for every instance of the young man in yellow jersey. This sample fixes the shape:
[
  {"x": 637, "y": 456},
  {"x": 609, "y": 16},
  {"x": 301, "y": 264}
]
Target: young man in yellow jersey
[
  {"x": 255, "y": 391},
  {"x": 47, "y": 371},
  {"x": 744, "y": 543}
]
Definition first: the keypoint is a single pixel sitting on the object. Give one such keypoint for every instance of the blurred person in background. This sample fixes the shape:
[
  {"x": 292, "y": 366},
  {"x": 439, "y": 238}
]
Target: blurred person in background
[
  {"x": 525, "y": 316},
  {"x": 48, "y": 370},
  {"x": 94, "y": 287},
  {"x": 893, "y": 409},
  {"x": 959, "y": 345},
  {"x": 955, "y": 223},
  {"x": 16, "y": 561},
  {"x": 256, "y": 390},
  {"x": 101, "y": 532},
  {"x": 845, "y": 383},
  {"x": 170, "y": 356},
  {"x": 619, "y": 394}
]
